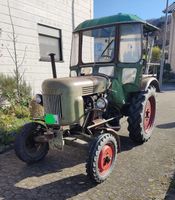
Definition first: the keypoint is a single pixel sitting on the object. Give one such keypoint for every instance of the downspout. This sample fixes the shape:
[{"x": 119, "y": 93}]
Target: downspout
[
  {"x": 73, "y": 27},
  {"x": 172, "y": 38},
  {"x": 73, "y": 15}
]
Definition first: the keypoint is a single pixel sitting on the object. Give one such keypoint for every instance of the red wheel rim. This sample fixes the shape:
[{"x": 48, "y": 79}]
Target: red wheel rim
[
  {"x": 105, "y": 158},
  {"x": 149, "y": 114}
]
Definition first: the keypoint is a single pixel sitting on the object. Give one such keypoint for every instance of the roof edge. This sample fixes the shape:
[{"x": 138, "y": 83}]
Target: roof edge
[{"x": 112, "y": 20}]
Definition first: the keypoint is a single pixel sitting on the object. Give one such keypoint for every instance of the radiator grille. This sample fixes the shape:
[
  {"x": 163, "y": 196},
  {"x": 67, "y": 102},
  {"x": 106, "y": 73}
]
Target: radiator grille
[
  {"x": 52, "y": 104},
  {"x": 88, "y": 90}
]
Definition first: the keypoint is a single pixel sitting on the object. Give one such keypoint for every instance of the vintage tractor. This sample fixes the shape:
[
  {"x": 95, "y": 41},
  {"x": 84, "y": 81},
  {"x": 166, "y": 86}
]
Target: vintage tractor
[{"x": 106, "y": 82}]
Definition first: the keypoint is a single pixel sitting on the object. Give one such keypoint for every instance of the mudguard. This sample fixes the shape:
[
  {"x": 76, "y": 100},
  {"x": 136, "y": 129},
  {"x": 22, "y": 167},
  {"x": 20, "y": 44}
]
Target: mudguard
[{"x": 149, "y": 81}]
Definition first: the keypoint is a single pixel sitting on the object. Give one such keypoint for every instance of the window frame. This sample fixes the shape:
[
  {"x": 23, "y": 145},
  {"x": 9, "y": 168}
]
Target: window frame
[
  {"x": 119, "y": 46},
  {"x": 81, "y": 44},
  {"x": 60, "y": 46}
]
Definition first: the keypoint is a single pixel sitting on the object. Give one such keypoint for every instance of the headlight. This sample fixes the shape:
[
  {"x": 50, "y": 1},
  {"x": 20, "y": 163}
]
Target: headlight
[
  {"x": 102, "y": 103},
  {"x": 38, "y": 99}
]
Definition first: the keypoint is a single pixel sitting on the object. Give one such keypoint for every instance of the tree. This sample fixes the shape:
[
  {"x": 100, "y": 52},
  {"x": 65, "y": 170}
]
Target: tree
[
  {"x": 156, "y": 52},
  {"x": 18, "y": 75}
]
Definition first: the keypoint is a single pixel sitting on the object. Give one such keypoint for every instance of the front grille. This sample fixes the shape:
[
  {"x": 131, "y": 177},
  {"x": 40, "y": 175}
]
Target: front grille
[
  {"x": 88, "y": 90},
  {"x": 52, "y": 104}
]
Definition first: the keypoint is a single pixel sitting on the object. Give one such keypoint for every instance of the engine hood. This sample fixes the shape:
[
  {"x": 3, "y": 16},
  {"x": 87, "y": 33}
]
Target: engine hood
[{"x": 82, "y": 86}]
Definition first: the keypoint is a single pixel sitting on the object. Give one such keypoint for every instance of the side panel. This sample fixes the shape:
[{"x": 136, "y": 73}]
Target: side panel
[{"x": 117, "y": 96}]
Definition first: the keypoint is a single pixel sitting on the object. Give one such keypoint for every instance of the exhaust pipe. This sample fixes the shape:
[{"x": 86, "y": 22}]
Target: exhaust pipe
[{"x": 52, "y": 59}]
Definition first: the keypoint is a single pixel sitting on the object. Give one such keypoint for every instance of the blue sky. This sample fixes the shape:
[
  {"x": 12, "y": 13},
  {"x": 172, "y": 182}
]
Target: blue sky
[{"x": 146, "y": 9}]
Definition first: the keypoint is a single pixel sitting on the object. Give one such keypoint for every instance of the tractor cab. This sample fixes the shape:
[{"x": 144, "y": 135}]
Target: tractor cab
[{"x": 114, "y": 46}]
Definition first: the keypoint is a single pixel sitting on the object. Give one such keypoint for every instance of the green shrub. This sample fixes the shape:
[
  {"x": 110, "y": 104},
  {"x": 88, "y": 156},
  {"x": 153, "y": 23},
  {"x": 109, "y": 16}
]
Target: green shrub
[
  {"x": 9, "y": 124},
  {"x": 8, "y": 91},
  {"x": 17, "y": 111},
  {"x": 21, "y": 112},
  {"x": 156, "y": 52}
]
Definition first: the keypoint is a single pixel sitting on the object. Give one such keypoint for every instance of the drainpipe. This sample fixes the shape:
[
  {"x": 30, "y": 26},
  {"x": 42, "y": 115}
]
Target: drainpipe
[{"x": 73, "y": 14}]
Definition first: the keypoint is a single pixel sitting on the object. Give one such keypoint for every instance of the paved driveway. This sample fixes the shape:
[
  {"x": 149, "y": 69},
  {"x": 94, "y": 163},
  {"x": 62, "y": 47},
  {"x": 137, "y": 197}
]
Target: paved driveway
[{"x": 142, "y": 172}]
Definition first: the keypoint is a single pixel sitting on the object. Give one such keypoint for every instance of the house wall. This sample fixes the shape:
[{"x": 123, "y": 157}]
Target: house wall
[
  {"x": 61, "y": 14},
  {"x": 172, "y": 44}
]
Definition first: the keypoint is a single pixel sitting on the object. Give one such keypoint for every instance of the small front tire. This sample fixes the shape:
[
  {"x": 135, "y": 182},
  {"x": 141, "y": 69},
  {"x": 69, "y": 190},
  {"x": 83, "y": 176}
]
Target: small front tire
[
  {"x": 26, "y": 148},
  {"x": 102, "y": 157}
]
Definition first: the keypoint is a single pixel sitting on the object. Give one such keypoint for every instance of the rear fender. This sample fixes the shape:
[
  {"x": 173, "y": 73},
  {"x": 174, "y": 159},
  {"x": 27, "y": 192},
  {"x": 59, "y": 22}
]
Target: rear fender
[{"x": 150, "y": 81}]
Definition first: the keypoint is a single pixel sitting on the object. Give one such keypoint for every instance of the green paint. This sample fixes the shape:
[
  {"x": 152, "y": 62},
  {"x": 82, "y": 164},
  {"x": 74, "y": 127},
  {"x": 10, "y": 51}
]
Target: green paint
[
  {"x": 115, "y": 19},
  {"x": 50, "y": 119}
]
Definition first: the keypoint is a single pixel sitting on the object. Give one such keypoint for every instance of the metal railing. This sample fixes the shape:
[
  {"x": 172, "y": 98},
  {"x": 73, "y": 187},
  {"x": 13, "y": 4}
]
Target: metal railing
[{"x": 151, "y": 69}]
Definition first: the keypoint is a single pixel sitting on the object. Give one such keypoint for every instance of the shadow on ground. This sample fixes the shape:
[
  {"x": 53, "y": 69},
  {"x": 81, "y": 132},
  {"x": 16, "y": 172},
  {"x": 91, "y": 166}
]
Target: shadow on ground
[
  {"x": 126, "y": 143},
  {"x": 46, "y": 179},
  {"x": 166, "y": 126},
  {"x": 170, "y": 195},
  {"x": 61, "y": 175}
]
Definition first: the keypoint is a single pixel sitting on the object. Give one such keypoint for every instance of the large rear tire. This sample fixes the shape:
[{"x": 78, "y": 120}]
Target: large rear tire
[
  {"x": 142, "y": 112},
  {"x": 26, "y": 148},
  {"x": 102, "y": 157}
]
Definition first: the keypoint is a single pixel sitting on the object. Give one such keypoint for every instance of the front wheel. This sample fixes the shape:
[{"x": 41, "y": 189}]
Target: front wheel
[
  {"x": 102, "y": 157},
  {"x": 142, "y": 114},
  {"x": 26, "y": 148}
]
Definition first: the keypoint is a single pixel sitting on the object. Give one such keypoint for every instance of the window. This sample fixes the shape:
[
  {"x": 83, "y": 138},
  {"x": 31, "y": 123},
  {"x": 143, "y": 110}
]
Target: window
[
  {"x": 98, "y": 45},
  {"x": 49, "y": 42},
  {"x": 130, "y": 43},
  {"x": 75, "y": 47}
]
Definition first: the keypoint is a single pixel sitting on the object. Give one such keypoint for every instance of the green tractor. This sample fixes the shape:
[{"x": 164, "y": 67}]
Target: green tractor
[{"x": 107, "y": 82}]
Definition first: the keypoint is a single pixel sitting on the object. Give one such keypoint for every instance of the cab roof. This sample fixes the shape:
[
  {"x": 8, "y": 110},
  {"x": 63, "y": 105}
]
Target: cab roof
[{"x": 119, "y": 18}]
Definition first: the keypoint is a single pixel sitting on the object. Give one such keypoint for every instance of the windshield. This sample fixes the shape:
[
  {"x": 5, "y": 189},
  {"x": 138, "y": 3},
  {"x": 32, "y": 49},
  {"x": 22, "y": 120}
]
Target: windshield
[{"x": 98, "y": 45}]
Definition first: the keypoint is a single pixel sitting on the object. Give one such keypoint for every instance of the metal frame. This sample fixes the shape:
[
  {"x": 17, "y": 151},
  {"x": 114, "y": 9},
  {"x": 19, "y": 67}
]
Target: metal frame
[{"x": 60, "y": 45}]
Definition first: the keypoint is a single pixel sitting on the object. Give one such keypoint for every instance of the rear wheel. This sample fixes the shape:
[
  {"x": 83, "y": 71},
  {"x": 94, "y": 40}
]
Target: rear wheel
[
  {"x": 141, "y": 117},
  {"x": 26, "y": 148},
  {"x": 102, "y": 157}
]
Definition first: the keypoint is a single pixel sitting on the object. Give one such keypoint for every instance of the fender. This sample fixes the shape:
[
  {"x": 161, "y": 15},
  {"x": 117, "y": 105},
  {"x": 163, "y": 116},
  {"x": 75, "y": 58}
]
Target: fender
[{"x": 149, "y": 81}]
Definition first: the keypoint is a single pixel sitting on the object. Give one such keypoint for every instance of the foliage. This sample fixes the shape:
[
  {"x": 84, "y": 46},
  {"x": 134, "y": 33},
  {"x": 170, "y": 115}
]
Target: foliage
[
  {"x": 14, "y": 111},
  {"x": 9, "y": 125},
  {"x": 156, "y": 52},
  {"x": 9, "y": 93}
]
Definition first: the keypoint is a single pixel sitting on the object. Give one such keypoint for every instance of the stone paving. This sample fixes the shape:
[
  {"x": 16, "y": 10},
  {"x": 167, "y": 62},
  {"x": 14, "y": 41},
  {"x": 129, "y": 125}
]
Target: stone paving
[{"x": 142, "y": 172}]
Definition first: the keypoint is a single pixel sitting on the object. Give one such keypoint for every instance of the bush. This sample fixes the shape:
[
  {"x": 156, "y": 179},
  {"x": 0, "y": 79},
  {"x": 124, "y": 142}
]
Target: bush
[
  {"x": 156, "y": 52},
  {"x": 14, "y": 110},
  {"x": 9, "y": 124},
  {"x": 21, "y": 112},
  {"x": 17, "y": 111},
  {"x": 8, "y": 91}
]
